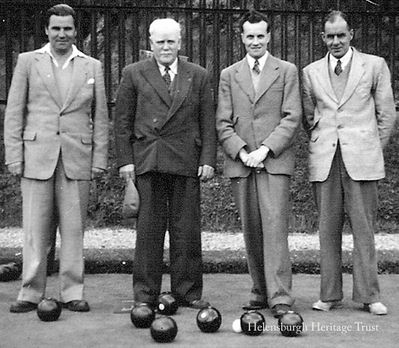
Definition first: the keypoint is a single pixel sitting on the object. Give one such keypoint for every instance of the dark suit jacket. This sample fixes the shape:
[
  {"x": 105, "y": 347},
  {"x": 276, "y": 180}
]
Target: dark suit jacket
[
  {"x": 156, "y": 133},
  {"x": 270, "y": 117}
]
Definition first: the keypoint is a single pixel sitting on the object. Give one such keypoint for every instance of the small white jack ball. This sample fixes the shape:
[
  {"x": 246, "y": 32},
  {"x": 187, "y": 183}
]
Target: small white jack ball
[{"x": 237, "y": 325}]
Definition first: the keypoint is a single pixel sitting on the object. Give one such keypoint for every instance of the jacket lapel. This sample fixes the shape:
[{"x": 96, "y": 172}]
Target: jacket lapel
[
  {"x": 183, "y": 84},
  {"x": 45, "y": 69},
  {"x": 355, "y": 74},
  {"x": 244, "y": 79},
  {"x": 79, "y": 77},
  {"x": 269, "y": 74},
  {"x": 324, "y": 79},
  {"x": 152, "y": 75}
]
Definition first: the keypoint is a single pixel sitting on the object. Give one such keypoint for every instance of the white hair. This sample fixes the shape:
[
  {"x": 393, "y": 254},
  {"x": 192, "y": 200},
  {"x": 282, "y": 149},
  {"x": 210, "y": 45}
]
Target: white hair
[{"x": 161, "y": 23}]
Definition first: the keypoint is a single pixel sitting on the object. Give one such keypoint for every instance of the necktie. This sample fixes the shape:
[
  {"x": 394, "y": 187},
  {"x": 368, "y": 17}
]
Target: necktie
[
  {"x": 256, "y": 67},
  {"x": 338, "y": 68},
  {"x": 166, "y": 76}
]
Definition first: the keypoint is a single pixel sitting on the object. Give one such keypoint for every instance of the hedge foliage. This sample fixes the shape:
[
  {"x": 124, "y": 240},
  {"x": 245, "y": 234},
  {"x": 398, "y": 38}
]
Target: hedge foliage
[{"x": 218, "y": 210}]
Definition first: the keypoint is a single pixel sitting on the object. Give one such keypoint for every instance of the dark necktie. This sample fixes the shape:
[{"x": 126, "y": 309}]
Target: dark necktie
[
  {"x": 338, "y": 68},
  {"x": 256, "y": 67},
  {"x": 166, "y": 76}
]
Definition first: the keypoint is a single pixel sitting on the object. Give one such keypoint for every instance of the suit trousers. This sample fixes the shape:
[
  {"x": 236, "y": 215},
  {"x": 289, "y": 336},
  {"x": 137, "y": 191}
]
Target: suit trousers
[
  {"x": 44, "y": 200},
  {"x": 262, "y": 200},
  {"x": 168, "y": 202},
  {"x": 335, "y": 196}
]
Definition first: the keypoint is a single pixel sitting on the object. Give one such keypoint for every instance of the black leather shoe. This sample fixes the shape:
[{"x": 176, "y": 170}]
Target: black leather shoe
[
  {"x": 22, "y": 307},
  {"x": 196, "y": 304},
  {"x": 77, "y": 306},
  {"x": 280, "y": 309},
  {"x": 254, "y": 305}
]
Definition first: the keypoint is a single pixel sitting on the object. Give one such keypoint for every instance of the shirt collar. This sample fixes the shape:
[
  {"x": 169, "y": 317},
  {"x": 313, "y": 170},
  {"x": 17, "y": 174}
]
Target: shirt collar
[
  {"x": 172, "y": 68},
  {"x": 75, "y": 53},
  {"x": 345, "y": 59},
  {"x": 261, "y": 60}
]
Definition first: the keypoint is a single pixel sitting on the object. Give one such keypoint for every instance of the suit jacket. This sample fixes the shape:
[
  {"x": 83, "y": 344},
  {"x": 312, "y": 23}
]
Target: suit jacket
[
  {"x": 156, "y": 132},
  {"x": 38, "y": 126},
  {"x": 248, "y": 119},
  {"x": 361, "y": 121}
]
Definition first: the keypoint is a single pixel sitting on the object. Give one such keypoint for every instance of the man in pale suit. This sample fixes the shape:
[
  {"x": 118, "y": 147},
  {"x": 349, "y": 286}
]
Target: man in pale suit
[
  {"x": 349, "y": 114},
  {"x": 258, "y": 115},
  {"x": 166, "y": 141},
  {"x": 56, "y": 138}
]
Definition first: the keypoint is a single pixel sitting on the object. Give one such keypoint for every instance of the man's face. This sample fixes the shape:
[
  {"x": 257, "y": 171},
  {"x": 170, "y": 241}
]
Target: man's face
[
  {"x": 255, "y": 38},
  {"x": 337, "y": 37},
  {"x": 61, "y": 33},
  {"x": 165, "y": 45}
]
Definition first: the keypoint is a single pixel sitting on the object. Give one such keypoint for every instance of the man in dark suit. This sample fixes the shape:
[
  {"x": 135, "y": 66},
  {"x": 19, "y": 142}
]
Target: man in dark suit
[
  {"x": 55, "y": 142},
  {"x": 258, "y": 115},
  {"x": 349, "y": 114},
  {"x": 166, "y": 141}
]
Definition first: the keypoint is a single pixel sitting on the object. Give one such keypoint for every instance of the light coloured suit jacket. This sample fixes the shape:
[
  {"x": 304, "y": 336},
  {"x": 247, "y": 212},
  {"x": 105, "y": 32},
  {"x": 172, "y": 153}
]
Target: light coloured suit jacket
[
  {"x": 361, "y": 121},
  {"x": 38, "y": 126},
  {"x": 248, "y": 119}
]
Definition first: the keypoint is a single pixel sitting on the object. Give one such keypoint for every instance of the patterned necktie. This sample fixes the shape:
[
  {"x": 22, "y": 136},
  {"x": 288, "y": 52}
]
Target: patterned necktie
[
  {"x": 338, "y": 68},
  {"x": 166, "y": 76},
  {"x": 256, "y": 67}
]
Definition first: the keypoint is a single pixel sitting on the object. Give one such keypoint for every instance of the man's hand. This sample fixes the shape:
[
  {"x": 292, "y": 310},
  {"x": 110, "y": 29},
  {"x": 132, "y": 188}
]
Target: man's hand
[
  {"x": 96, "y": 172},
  {"x": 205, "y": 172},
  {"x": 15, "y": 168},
  {"x": 127, "y": 172},
  {"x": 255, "y": 158}
]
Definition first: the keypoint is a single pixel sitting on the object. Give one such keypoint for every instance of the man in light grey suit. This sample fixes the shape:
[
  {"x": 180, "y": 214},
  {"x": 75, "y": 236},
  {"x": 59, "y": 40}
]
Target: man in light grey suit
[
  {"x": 56, "y": 138},
  {"x": 258, "y": 115},
  {"x": 349, "y": 114}
]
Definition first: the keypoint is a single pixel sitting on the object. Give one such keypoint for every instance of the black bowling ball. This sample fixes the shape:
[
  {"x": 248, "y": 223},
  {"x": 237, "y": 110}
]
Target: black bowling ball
[
  {"x": 290, "y": 324},
  {"x": 163, "y": 329},
  {"x": 167, "y": 304},
  {"x": 142, "y": 315},
  {"x": 252, "y": 323},
  {"x": 49, "y": 309},
  {"x": 209, "y": 319}
]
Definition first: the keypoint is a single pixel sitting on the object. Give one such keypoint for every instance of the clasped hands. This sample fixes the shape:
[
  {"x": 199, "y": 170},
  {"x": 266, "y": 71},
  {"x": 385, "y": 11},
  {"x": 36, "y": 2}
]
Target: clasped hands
[
  {"x": 205, "y": 172},
  {"x": 255, "y": 158}
]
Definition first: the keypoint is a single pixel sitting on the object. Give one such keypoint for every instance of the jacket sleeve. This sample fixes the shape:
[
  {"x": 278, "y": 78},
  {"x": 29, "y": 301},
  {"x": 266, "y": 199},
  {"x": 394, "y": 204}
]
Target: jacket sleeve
[
  {"x": 229, "y": 139},
  {"x": 101, "y": 121},
  {"x": 125, "y": 110},
  {"x": 384, "y": 103},
  {"x": 207, "y": 125},
  {"x": 15, "y": 112}
]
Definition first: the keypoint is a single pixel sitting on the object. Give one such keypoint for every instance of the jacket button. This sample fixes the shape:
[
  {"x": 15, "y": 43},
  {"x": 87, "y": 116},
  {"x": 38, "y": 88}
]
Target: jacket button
[
  {"x": 340, "y": 126},
  {"x": 155, "y": 120},
  {"x": 58, "y": 132}
]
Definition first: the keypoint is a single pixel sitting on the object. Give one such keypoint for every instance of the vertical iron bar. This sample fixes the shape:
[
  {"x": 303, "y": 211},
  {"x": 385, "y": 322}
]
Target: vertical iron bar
[
  {"x": 202, "y": 34},
  {"x": 121, "y": 43},
  {"x": 189, "y": 31}
]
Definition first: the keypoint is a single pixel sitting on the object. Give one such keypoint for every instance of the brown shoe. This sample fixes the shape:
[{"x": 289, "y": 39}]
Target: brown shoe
[
  {"x": 280, "y": 309},
  {"x": 77, "y": 306},
  {"x": 22, "y": 307}
]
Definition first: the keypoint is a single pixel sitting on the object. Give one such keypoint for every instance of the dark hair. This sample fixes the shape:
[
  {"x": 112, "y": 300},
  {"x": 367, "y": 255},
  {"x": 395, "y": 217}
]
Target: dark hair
[
  {"x": 334, "y": 14},
  {"x": 60, "y": 10},
  {"x": 253, "y": 16}
]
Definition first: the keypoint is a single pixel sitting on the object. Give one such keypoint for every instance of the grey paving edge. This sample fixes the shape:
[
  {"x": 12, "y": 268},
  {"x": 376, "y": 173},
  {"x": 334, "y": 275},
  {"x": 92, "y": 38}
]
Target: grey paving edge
[{"x": 219, "y": 261}]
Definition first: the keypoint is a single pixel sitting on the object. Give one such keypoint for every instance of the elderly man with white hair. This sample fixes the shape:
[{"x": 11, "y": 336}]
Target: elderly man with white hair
[{"x": 166, "y": 142}]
